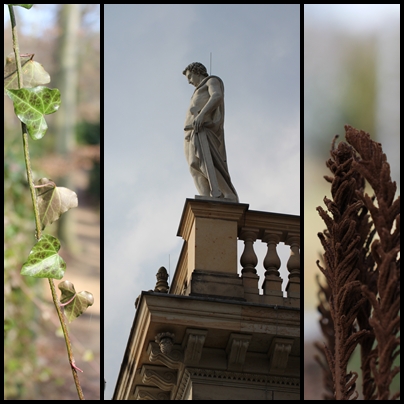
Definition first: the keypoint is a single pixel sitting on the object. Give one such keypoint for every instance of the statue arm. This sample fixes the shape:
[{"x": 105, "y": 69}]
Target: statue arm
[{"x": 215, "y": 97}]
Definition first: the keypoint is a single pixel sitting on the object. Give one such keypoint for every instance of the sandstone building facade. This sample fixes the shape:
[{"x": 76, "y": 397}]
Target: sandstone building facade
[{"x": 217, "y": 334}]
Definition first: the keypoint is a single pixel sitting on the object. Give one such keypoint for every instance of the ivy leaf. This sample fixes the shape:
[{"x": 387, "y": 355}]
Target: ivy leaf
[
  {"x": 27, "y": 6},
  {"x": 31, "y": 104},
  {"x": 44, "y": 261},
  {"x": 33, "y": 74},
  {"x": 78, "y": 303},
  {"x": 53, "y": 201}
]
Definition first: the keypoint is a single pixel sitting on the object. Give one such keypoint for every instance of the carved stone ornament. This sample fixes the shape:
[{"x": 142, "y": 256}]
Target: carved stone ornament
[
  {"x": 279, "y": 354},
  {"x": 165, "y": 341},
  {"x": 236, "y": 350},
  {"x": 150, "y": 393},
  {"x": 173, "y": 360},
  {"x": 193, "y": 345},
  {"x": 165, "y": 379}
]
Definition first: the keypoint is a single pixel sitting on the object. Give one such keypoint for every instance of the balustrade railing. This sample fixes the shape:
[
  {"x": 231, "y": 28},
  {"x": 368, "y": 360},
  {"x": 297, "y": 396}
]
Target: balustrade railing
[
  {"x": 272, "y": 229},
  {"x": 208, "y": 261}
]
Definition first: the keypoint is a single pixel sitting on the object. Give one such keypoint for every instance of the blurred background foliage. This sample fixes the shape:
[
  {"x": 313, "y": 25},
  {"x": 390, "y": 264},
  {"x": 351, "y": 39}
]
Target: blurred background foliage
[
  {"x": 351, "y": 76},
  {"x": 19, "y": 313},
  {"x": 69, "y": 152}
]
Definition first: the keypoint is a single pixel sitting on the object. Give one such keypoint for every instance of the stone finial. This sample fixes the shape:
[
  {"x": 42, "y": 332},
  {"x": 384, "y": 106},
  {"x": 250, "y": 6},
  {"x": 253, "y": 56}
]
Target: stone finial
[{"x": 162, "y": 284}]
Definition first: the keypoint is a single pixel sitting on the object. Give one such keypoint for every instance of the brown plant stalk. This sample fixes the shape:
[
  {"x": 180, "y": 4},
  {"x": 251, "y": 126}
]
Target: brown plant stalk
[{"x": 358, "y": 303}]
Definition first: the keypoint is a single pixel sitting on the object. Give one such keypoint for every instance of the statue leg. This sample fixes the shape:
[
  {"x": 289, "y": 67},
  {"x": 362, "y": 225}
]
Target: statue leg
[
  {"x": 201, "y": 183},
  {"x": 200, "y": 180}
]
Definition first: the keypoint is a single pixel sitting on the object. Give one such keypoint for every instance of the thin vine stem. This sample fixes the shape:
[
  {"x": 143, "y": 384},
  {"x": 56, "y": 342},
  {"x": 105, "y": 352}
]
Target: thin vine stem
[
  {"x": 67, "y": 340},
  {"x": 15, "y": 44},
  {"x": 38, "y": 232},
  {"x": 31, "y": 184}
]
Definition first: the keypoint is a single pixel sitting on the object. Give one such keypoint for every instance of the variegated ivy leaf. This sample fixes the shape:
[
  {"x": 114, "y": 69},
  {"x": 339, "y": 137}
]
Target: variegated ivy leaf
[
  {"x": 53, "y": 201},
  {"x": 31, "y": 104},
  {"x": 78, "y": 303},
  {"x": 33, "y": 74},
  {"x": 44, "y": 261}
]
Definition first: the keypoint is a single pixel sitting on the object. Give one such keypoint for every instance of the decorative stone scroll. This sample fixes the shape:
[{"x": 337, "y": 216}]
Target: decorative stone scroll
[
  {"x": 236, "y": 350},
  {"x": 279, "y": 354},
  {"x": 165, "y": 379},
  {"x": 172, "y": 360},
  {"x": 193, "y": 345}
]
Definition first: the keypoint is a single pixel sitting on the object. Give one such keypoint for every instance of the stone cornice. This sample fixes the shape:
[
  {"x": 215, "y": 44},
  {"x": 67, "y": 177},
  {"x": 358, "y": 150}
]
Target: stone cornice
[{"x": 251, "y": 378}]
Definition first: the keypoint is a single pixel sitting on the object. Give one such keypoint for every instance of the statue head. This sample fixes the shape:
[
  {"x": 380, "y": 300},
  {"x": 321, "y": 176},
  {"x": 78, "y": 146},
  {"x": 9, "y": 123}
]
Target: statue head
[{"x": 197, "y": 68}]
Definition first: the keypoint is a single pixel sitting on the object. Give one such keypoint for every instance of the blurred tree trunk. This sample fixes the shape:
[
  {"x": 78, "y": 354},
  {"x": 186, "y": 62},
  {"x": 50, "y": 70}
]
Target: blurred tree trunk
[{"x": 65, "y": 119}]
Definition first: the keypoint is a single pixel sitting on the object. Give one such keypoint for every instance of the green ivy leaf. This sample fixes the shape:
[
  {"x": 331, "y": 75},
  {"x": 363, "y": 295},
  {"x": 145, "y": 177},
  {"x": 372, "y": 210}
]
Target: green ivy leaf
[
  {"x": 78, "y": 302},
  {"x": 53, "y": 201},
  {"x": 27, "y": 6},
  {"x": 31, "y": 104},
  {"x": 44, "y": 261},
  {"x": 33, "y": 74}
]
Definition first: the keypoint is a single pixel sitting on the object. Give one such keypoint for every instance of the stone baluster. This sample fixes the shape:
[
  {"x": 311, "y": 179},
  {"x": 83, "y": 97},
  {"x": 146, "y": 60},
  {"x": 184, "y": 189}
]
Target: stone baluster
[
  {"x": 248, "y": 261},
  {"x": 293, "y": 265},
  {"x": 272, "y": 284}
]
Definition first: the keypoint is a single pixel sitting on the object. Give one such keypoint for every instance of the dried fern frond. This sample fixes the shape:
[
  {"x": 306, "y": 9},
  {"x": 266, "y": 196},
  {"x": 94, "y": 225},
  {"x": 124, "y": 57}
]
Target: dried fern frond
[
  {"x": 342, "y": 243},
  {"x": 360, "y": 302},
  {"x": 385, "y": 297}
]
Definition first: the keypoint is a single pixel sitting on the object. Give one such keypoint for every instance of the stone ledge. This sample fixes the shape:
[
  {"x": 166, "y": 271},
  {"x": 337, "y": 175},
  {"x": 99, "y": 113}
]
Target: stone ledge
[{"x": 226, "y": 286}]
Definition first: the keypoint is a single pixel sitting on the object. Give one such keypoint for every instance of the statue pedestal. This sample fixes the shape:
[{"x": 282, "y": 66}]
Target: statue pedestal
[{"x": 209, "y": 227}]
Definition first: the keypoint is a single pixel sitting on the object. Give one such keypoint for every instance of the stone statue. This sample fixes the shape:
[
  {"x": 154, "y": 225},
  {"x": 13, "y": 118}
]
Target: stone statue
[{"x": 204, "y": 135}]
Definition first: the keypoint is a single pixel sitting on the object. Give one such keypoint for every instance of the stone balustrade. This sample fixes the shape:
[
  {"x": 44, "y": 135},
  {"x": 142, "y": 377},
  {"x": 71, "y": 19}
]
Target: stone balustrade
[
  {"x": 272, "y": 229},
  {"x": 207, "y": 265}
]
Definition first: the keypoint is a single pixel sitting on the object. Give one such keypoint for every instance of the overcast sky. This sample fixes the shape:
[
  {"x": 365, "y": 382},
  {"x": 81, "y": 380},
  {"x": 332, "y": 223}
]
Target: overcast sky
[
  {"x": 358, "y": 18},
  {"x": 256, "y": 51}
]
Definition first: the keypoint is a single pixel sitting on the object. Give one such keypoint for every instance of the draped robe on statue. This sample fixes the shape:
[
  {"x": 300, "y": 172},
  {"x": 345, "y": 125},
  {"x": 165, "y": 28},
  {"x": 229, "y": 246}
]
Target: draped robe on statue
[{"x": 213, "y": 126}]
